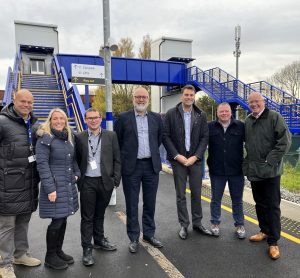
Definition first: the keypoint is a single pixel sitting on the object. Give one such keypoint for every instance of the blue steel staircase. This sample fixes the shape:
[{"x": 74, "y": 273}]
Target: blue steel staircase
[
  {"x": 223, "y": 87},
  {"x": 46, "y": 95}
]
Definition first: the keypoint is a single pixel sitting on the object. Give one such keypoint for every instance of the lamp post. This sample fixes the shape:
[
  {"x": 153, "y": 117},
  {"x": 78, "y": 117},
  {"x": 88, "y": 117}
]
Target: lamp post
[
  {"x": 237, "y": 52},
  {"x": 108, "y": 46}
]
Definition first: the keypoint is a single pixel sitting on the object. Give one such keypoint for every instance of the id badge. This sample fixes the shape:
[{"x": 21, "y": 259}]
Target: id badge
[
  {"x": 31, "y": 158},
  {"x": 93, "y": 164}
]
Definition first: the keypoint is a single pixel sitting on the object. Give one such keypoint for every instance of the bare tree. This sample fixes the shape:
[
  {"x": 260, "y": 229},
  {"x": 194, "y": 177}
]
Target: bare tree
[
  {"x": 286, "y": 78},
  {"x": 145, "y": 48}
]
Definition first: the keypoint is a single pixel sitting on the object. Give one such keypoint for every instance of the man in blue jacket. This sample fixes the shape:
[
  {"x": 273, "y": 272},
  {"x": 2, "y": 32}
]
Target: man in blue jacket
[{"x": 225, "y": 158}]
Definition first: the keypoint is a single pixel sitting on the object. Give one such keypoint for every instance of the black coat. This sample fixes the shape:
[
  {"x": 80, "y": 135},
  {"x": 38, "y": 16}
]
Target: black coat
[
  {"x": 110, "y": 158},
  {"x": 225, "y": 150},
  {"x": 126, "y": 129},
  {"x": 174, "y": 132},
  {"x": 57, "y": 168},
  {"x": 18, "y": 178}
]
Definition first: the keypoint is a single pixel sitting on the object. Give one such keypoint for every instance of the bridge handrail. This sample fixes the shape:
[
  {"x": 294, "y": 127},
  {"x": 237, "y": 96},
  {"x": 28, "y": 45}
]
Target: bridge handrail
[
  {"x": 273, "y": 89},
  {"x": 7, "y": 97},
  {"x": 16, "y": 70},
  {"x": 236, "y": 88},
  {"x": 73, "y": 102}
]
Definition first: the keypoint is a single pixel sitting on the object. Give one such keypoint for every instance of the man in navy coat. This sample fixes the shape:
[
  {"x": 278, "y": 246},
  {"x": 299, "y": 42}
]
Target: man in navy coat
[{"x": 140, "y": 134}]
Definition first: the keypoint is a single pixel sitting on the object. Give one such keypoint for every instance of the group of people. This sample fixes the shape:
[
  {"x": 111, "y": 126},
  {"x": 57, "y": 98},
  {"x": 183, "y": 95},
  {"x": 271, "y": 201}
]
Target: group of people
[{"x": 97, "y": 159}]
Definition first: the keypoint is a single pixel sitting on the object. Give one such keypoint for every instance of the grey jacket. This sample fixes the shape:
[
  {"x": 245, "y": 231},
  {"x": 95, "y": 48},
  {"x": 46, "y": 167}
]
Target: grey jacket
[{"x": 267, "y": 140}]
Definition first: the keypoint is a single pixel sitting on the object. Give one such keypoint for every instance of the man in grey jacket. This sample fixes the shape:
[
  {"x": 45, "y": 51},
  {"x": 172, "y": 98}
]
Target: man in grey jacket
[
  {"x": 267, "y": 140},
  {"x": 185, "y": 139}
]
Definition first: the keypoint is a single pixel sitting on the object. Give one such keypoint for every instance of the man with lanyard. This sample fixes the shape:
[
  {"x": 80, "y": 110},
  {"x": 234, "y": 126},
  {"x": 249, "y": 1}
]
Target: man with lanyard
[
  {"x": 185, "y": 139},
  {"x": 98, "y": 158},
  {"x": 18, "y": 182}
]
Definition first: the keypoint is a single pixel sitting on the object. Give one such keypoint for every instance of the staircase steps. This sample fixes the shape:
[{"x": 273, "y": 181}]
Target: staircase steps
[{"x": 47, "y": 96}]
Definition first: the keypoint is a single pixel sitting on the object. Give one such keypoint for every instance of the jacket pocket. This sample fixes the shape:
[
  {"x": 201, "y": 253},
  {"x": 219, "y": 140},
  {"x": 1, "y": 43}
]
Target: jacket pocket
[
  {"x": 14, "y": 179},
  {"x": 262, "y": 170}
]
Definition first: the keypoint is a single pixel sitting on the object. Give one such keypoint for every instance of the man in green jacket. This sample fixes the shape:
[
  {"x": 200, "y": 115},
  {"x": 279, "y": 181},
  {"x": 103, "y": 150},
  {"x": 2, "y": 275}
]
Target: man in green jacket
[{"x": 267, "y": 140}]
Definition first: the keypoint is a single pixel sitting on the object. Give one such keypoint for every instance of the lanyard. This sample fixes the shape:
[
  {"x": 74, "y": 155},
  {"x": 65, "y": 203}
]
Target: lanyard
[
  {"x": 29, "y": 132},
  {"x": 91, "y": 146}
]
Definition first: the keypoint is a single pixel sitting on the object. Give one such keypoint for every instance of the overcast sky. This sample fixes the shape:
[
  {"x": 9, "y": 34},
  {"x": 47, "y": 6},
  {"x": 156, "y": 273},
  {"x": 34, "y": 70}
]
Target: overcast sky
[{"x": 270, "y": 29}]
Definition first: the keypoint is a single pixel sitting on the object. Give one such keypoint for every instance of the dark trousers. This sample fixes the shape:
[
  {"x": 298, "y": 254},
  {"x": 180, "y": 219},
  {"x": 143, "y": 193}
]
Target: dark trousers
[
  {"x": 181, "y": 174},
  {"x": 266, "y": 194},
  {"x": 144, "y": 175},
  {"x": 57, "y": 223},
  {"x": 236, "y": 189},
  {"x": 93, "y": 201}
]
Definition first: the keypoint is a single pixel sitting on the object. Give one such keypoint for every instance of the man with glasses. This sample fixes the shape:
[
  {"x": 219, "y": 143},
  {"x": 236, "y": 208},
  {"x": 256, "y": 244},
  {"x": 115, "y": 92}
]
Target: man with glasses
[
  {"x": 267, "y": 140},
  {"x": 140, "y": 134},
  {"x": 98, "y": 157}
]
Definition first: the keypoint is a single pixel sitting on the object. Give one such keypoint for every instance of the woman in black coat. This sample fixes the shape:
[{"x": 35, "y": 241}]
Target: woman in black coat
[{"x": 58, "y": 171}]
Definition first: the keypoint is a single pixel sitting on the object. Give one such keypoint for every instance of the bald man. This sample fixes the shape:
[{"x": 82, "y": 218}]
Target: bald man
[
  {"x": 267, "y": 140},
  {"x": 140, "y": 134},
  {"x": 18, "y": 182}
]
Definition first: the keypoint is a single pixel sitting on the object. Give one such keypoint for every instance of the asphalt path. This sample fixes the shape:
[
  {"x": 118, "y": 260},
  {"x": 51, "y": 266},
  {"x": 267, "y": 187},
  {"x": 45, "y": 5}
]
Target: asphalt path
[{"x": 198, "y": 256}]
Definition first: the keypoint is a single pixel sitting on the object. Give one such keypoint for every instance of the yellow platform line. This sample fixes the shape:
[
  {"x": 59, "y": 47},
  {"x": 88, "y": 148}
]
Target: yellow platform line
[{"x": 250, "y": 219}]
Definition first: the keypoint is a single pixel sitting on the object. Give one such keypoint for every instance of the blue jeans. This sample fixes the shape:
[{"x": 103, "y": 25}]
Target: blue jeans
[{"x": 236, "y": 189}]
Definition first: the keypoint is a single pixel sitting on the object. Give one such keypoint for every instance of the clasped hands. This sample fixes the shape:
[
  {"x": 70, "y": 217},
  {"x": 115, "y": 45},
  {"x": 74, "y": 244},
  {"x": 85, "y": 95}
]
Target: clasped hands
[{"x": 186, "y": 161}]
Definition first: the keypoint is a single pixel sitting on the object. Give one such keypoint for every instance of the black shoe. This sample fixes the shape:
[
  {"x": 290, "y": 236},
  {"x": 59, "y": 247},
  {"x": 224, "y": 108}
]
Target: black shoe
[
  {"x": 183, "y": 233},
  {"x": 133, "y": 246},
  {"x": 202, "y": 230},
  {"x": 153, "y": 241},
  {"x": 65, "y": 257},
  {"x": 87, "y": 258},
  {"x": 55, "y": 262},
  {"x": 104, "y": 244}
]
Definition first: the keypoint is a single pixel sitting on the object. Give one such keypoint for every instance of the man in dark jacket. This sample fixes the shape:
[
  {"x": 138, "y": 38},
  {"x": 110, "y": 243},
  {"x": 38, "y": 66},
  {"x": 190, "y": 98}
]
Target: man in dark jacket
[
  {"x": 267, "y": 140},
  {"x": 98, "y": 157},
  {"x": 225, "y": 158},
  {"x": 18, "y": 181},
  {"x": 185, "y": 139},
  {"x": 140, "y": 134}
]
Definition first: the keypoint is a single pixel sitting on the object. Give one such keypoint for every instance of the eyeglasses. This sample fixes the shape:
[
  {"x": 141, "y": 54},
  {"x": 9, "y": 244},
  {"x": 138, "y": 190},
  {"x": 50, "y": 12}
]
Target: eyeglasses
[
  {"x": 140, "y": 97},
  {"x": 92, "y": 118}
]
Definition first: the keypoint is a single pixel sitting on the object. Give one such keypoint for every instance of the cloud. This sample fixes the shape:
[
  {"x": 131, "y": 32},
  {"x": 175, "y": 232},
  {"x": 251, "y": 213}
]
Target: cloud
[{"x": 269, "y": 29}]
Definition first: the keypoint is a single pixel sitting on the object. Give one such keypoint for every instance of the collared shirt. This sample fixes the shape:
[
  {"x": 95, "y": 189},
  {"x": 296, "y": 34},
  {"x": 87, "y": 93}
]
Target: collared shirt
[
  {"x": 96, "y": 148},
  {"x": 259, "y": 114},
  {"x": 225, "y": 126},
  {"x": 143, "y": 136},
  {"x": 187, "y": 128}
]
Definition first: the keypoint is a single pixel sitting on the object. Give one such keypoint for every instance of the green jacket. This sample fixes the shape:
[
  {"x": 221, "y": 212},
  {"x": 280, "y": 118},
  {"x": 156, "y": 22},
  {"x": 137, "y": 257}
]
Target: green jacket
[{"x": 267, "y": 140}]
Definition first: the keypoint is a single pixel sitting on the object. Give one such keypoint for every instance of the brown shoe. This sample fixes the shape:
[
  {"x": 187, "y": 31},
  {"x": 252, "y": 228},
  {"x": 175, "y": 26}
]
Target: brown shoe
[
  {"x": 274, "y": 253},
  {"x": 258, "y": 237}
]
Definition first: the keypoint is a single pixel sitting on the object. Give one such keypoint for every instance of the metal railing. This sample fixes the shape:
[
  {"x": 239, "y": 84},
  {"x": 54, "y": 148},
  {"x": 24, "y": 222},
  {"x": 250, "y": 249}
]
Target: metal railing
[{"x": 73, "y": 102}]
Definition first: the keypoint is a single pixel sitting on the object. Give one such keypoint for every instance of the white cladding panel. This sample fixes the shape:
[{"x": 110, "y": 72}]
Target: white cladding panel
[{"x": 27, "y": 33}]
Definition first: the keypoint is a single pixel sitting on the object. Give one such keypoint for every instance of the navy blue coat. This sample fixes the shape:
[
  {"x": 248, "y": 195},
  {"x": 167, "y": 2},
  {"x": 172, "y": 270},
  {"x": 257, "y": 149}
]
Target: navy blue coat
[
  {"x": 225, "y": 150},
  {"x": 57, "y": 167},
  {"x": 126, "y": 130}
]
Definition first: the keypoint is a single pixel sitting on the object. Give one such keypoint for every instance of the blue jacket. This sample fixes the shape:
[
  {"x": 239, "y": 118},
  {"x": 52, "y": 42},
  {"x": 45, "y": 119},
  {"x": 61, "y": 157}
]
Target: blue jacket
[
  {"x": 57, "y": 167},
  {"x": 225, "y": 150}
]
